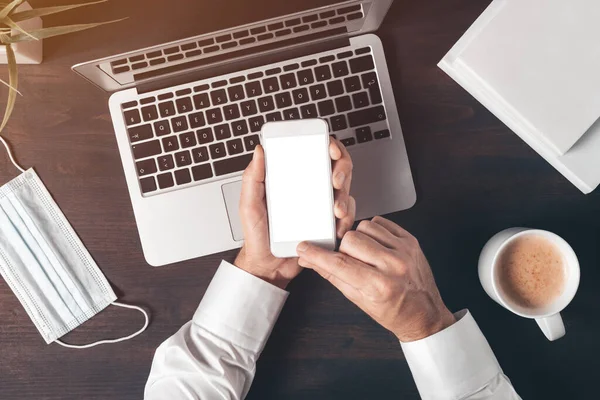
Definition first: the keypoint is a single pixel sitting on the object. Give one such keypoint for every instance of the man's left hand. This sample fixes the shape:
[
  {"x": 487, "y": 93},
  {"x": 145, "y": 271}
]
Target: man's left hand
[{"x": 256, "y": 257}]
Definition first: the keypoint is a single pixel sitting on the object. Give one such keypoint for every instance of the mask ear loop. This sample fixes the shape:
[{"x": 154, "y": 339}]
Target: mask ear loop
[
  {"x": 10, "y": 155},
  {"x": 109, "y": 341}
]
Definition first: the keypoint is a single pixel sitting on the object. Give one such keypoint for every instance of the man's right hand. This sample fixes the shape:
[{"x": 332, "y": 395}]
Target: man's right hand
[{"x": 380, "y": 267}]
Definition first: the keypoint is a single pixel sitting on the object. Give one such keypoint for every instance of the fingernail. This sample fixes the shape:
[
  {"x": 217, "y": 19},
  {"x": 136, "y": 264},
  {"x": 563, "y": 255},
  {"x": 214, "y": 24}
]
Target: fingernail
[
  {"x": 343, "y": 206},
  {"x": 340, "y": 177},
  {"x": 302, "y": 247}
]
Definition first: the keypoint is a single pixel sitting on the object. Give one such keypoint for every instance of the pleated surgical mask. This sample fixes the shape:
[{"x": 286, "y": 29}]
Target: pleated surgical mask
[{"x": 45, "y": 263}]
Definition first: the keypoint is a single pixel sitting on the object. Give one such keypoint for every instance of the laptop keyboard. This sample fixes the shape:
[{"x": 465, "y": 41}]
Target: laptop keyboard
[
  {"x": 258, "y": 33},
  {"x": 203, "y": 132}
]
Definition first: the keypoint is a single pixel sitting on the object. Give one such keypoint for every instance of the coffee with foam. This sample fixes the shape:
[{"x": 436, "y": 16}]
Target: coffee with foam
[{"x": 531, "y": 271}]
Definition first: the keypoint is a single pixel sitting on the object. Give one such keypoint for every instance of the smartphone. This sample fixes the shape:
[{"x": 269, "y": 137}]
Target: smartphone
[{"x": 298, "y": 182}]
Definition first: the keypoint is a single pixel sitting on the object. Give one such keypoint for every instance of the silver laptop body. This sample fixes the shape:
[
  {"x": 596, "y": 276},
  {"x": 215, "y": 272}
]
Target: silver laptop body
[{"x": 187, "y": 115}]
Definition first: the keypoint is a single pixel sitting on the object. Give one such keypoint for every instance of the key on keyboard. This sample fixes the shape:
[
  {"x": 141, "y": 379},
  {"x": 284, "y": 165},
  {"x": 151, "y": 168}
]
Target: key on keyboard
[{"x": 182, "y": 137}]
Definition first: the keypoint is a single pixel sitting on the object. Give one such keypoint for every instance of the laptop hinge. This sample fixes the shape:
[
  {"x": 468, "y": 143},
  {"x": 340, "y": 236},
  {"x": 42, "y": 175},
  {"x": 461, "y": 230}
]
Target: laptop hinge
[{"x": 242, "y": 60}]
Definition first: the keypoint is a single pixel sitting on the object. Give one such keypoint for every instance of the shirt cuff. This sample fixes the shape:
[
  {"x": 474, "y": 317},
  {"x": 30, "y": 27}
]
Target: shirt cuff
[
  {"x": 453, "y": 363},
  {"x": 240, "y": 308}
]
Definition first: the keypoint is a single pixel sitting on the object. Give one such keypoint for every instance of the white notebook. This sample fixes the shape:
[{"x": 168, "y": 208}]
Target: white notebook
[{"x": 535, "y": 64}]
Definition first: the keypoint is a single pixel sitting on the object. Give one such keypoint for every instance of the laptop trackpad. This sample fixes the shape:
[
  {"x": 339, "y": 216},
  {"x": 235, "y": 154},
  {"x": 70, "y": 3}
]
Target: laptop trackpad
[{"x": 231, "y": 194}]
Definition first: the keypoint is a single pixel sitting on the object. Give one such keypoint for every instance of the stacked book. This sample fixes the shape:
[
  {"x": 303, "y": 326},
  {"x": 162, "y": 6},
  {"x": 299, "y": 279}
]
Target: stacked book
[{"x": 535, "y": 64}]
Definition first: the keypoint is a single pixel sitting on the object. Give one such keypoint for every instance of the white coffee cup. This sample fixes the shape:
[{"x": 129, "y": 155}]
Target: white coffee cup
[{"x": 548, "y": 317}]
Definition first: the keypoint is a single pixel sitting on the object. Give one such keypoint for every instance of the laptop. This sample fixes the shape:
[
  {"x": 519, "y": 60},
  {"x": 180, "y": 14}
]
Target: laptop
[{"x": 187, "y": 116}]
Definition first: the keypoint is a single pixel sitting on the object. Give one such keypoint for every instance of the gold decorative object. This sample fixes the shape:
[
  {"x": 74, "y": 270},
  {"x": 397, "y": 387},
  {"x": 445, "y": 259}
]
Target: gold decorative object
[{"x": 9, "y": 22}]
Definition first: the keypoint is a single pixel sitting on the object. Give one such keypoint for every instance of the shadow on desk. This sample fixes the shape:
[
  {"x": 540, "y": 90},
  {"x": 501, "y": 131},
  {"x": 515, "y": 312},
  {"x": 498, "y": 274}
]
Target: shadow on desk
[{"x": 347, "y": 356}]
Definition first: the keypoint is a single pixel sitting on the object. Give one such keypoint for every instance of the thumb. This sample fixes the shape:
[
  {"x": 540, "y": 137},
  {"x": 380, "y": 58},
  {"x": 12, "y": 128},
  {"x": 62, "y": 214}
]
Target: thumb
[
  {"x": 258, "y": 164},
  {"x": 253, "y": 208},
  {"x": 254, "y": 177}
]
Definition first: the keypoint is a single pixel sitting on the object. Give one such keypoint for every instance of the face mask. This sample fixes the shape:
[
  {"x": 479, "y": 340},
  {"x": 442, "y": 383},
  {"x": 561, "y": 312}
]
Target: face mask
[{"x": 45, "y": 263}]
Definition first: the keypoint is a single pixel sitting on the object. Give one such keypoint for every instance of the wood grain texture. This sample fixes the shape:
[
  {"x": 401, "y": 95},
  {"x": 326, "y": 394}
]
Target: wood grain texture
[{"x": 473, "y": 176}]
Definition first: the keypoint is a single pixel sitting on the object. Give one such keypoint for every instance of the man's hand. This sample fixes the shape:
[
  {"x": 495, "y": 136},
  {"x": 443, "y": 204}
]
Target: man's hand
[
  {"x": 256, "y": 257},
  {"x": 381, "y": 268}
]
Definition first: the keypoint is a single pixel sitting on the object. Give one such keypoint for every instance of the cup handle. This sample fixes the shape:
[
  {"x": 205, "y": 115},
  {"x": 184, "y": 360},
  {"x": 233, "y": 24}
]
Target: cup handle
[{"x": 552, "y": 326}]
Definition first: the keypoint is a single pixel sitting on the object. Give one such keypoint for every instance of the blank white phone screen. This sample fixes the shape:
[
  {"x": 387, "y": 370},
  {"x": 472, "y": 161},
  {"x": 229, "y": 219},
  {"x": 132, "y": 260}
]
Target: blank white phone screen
[{"x": 300, "y": 188}]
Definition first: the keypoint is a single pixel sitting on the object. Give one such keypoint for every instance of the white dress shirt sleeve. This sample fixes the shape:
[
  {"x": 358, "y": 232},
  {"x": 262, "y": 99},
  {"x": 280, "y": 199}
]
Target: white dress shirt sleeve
[
  {"x": 457, "y": 364},
  {"x": 214, "y": 355}
]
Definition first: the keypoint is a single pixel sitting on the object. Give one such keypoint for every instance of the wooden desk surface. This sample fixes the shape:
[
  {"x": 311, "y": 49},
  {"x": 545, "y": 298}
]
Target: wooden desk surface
[{"x": 474, "y": 177}]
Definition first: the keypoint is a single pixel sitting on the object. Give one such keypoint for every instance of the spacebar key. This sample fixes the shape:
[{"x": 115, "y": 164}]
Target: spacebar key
[
  {"x": 230, "y": 165},
  {"x": 366, "y": 116}
]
